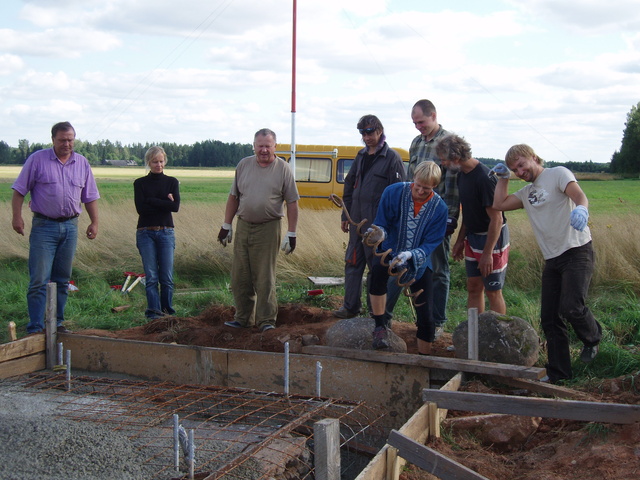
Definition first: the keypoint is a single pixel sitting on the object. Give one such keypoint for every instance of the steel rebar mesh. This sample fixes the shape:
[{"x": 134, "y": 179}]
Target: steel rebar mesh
[{"x": 238, "y": 433}]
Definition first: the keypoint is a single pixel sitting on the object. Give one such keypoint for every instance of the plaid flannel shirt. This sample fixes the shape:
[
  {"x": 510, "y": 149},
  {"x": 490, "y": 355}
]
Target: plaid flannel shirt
[{"x": 421, "y": 151}]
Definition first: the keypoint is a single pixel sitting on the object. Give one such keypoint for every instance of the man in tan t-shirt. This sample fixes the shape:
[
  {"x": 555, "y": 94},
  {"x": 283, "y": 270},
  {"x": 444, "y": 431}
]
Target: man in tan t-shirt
[{"x": 263, "y": 184}]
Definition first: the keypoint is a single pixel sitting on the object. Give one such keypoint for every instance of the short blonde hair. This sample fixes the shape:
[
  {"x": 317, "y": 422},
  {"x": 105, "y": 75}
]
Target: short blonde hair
[
  {"x": 428, "y": 173},
  {"x": 521, "y": 150}
]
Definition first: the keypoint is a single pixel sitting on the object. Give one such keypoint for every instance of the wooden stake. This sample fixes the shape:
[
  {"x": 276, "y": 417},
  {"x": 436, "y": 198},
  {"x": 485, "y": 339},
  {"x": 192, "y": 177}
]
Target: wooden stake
[
  {"x": 473, "y": 333},
  {"x": 12, "y": 332},
  {"x": 51, "y": 324},
  {"x": 326, "y": 435}
]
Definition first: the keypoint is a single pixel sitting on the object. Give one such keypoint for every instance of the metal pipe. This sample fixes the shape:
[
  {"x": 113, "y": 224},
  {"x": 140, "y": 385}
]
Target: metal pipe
[
  {"x": 318, "y": 378},
  {"x": 60, "y": 352},
  {"x": 68, "y": 370},
  {"x": 176, "y": 443},
  {"x": 286, "y": 368},
  {"x": 192, "y": 455}
]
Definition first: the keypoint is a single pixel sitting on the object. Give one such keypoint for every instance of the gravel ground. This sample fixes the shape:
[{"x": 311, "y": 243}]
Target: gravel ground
[{"x": 36, "y": 444}]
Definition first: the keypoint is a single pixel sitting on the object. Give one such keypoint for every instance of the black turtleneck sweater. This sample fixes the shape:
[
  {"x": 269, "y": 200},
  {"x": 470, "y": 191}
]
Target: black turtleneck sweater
[{"x": 151, "y": 194}]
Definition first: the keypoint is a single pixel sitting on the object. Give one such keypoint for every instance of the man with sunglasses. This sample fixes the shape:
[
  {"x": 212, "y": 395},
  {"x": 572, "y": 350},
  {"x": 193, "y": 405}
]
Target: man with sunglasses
[{"x": 375, "y": 167}]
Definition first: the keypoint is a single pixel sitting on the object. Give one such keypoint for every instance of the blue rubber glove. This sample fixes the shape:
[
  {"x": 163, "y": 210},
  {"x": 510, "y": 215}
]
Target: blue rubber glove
[
  {"x": 579, "y": 218},
  {"x": 500, "y": 171}
]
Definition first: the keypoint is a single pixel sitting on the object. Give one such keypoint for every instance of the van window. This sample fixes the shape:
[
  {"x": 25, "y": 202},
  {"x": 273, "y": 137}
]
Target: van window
[
  {"x": 313, "y": 170},
  {"x": 344, "y": 165}
]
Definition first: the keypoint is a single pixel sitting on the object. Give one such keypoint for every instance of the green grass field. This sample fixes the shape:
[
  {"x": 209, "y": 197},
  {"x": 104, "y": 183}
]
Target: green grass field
[{"x": 202, "y": 264}]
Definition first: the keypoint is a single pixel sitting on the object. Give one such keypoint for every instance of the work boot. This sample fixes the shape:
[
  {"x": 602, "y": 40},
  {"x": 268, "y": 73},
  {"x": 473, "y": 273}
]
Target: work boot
[
  {"x": 344, "y": 313},
  {"x": 380, "y": 338},
  {"x": 588, "y": 353}
]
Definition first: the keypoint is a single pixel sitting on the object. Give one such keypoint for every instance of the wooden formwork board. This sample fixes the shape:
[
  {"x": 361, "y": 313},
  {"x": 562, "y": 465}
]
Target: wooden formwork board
[
  {"x": 424, "y": 422},
  {"x": 22, "y": 356},
  {"x": 441, "y": 363}
]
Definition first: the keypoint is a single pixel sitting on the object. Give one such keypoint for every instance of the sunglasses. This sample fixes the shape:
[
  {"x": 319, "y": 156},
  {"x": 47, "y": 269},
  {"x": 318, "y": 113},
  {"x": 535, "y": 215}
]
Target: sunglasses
[{"x": 366, "y": 131}]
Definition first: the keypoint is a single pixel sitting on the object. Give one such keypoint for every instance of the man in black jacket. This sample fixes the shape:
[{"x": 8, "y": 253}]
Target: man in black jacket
[{"x": 375, "y": 168}]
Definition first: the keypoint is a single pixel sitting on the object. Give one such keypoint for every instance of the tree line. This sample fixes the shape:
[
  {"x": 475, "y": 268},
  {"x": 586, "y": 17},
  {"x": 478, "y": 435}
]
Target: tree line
[
  {"x": 214, "y": 153},
  {"x": 626, "y": 161},
  {"x": 209, "y": 153}
]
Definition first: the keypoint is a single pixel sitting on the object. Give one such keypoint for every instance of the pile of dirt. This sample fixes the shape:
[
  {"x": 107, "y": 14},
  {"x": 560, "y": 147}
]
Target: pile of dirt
[{"x": 294, "y": 321}]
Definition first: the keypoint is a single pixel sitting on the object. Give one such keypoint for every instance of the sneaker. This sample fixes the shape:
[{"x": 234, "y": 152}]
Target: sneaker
[
  {"x": 62, "y": 329},
  {"x": 266, "y": 327},
  {"x": 343, "y": 313},
  {"x": 588, "y": 353},
  {"x": 439, "y": 332},
  {"x": 234, "y": 324},
  {"x": 380, "y": 338}
]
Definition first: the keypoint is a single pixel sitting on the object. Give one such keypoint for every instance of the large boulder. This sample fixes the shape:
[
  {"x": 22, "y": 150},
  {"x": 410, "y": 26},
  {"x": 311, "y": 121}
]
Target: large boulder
[
  {"x": 501, "y": 339},
  {"x": 357, "y": 333},
  {"x": 502, "y": 432}
]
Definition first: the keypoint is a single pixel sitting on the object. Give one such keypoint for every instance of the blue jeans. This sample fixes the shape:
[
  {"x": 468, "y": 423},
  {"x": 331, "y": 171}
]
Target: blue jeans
[
  {"x": 52, "y": 246},
  {"x": 156, "y": 249}
]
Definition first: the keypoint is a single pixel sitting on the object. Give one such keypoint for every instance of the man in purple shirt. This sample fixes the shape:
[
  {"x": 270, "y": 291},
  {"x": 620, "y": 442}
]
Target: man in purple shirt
[{"x": 58, "y": 180}]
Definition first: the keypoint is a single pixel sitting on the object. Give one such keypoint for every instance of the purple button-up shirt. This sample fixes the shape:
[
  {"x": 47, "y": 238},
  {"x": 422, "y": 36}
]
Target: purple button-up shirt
[{"x": 57, "y": 189}]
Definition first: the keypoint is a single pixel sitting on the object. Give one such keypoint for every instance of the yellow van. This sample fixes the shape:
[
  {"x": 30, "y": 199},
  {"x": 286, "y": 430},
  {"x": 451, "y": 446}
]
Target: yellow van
[{"x": 321, "y": 170}]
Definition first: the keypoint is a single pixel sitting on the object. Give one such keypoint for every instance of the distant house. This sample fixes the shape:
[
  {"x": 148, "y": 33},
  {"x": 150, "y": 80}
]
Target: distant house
[{"x": 121, "y": 163}]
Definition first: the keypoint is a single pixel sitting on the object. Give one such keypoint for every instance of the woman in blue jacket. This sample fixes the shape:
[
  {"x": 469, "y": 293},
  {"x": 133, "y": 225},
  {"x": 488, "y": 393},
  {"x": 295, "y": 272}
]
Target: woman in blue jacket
[{"x": 411, "y": 221}]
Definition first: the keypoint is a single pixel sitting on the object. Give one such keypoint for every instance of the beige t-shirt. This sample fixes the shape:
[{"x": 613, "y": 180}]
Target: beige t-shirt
[
  {"x": 549, "y": 210},
  {"x": 262, "y": 190}
]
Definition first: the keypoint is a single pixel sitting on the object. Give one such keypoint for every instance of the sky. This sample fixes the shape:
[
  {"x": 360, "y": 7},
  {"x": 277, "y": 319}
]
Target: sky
[{"x": 559, "y": 76}]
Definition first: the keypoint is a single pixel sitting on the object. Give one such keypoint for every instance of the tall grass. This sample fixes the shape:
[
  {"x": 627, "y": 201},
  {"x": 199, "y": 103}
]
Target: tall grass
[
  {"x": 320, "y": 248},
  {"x": 201, "y": 261}
]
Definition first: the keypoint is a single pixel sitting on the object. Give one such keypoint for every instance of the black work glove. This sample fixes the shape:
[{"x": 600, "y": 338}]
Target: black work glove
[
  {"x": 452, "y": 224},
  {"x": 226, "y": 234},
  {"x": 289, "y": 243}
]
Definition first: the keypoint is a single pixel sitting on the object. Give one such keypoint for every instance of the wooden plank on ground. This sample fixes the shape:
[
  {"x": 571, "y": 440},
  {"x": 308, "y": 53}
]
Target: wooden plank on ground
[
  {"x": 535, "y": 407},
  {"x": 443, "y": 363},
  {"x": 21, "y": 348},
  {"x": 542, "y": 387},
  {"x": 322, "y": 281},
  {"x": 22, "y": 366},
  {"x": 430, "y": 460}
]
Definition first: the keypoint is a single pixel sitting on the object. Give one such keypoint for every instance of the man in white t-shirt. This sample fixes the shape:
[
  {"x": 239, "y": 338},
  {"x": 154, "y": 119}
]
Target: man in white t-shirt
[{"x": 558, "y": 211}]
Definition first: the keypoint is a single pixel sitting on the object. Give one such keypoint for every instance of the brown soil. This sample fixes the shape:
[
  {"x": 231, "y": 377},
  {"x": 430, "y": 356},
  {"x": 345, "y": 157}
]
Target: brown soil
[{"x": 559, "y": 450}]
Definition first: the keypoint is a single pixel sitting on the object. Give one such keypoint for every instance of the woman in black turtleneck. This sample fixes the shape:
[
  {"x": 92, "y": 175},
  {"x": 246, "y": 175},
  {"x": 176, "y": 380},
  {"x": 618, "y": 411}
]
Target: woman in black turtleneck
[{"x": 156, "y": 196}]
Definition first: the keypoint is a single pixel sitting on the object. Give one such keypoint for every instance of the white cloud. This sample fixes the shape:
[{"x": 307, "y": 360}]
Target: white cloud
[
  {"x": 10, "y": 64},
  {"x": 154, "y": 70}
]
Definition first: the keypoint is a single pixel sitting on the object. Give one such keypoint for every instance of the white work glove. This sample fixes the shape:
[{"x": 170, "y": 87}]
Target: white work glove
[
  {"x": 373, "y": 235},
  {"x": 402, "y": 258},
  {"x": 226, "y": 234},
  {"x": 501, "y": 171},
  {"x": 289, "y": 243},
  {"x": 579, "y": 218}
]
